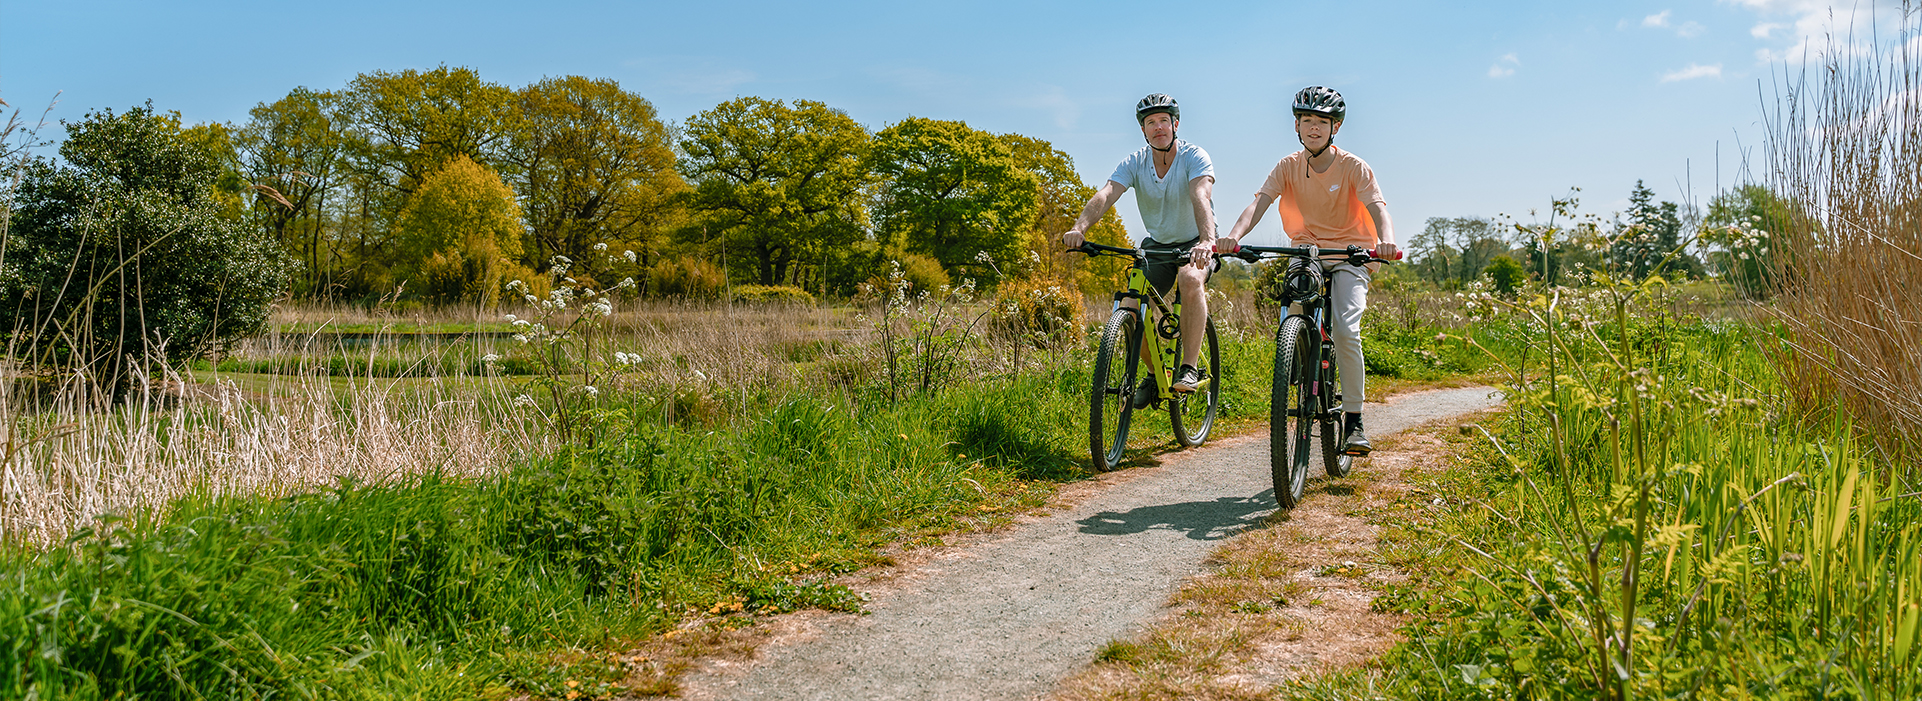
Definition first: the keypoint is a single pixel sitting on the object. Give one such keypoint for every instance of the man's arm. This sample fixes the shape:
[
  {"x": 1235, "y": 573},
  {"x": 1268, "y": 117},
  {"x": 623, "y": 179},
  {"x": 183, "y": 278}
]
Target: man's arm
[
  {"x": 1201, "y": 191},
  {"x": 1097, "y": 206},
  {"x": 1245, "y": 223},
  {"x": 1384, "y": 231}
]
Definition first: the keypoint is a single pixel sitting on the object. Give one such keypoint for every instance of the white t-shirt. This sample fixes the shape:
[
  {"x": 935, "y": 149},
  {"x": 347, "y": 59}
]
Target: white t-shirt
[{"x": 1167, "y": 208}]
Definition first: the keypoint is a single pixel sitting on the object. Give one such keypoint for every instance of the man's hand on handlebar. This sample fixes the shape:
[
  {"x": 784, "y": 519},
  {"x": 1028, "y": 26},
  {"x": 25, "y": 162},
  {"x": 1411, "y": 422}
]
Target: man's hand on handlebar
[
  {"x": 1073, "y": 239},
  {"x": 1199, "y": 255}
]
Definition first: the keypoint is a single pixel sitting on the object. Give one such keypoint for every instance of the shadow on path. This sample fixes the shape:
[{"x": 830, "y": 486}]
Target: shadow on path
[{"x": 1203, "y": 520}]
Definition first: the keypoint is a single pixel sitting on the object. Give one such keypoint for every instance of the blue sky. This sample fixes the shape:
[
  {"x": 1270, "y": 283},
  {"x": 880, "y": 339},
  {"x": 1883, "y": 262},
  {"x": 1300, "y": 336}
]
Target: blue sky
[{"x": 1461, "y": 108}]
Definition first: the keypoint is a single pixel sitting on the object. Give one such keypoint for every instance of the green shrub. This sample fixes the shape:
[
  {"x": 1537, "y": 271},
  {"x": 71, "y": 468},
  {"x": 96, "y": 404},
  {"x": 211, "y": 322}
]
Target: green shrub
[{"x": 772, "y": 294}]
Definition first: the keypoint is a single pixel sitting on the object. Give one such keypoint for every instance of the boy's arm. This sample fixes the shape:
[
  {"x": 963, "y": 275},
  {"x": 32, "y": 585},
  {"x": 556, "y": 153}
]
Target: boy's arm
[
  {"x": 1201, "y": 191},
  {"x": 1097, "y": 206},
  {"x": 1245, "y": 223},
  {"x": 1384, "y": 230}
]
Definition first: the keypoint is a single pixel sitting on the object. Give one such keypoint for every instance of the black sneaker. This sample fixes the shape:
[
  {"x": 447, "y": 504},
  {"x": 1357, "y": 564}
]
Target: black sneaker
[
  {"x": 1356, "y": 443},
  {"x": 1189, "y": 378},
  {"x": 1145, "y": 395}
]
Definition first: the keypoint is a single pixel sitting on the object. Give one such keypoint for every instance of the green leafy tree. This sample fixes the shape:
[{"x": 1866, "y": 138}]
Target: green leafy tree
[
  {"x": 1748, "y": 224},
  {"x": 781, "y": 185},
  {"x": 292, "y": 156},
  {"x": 460, "y": 236},
  {"x": 595, "y": 166},
  {"x": 123, "y": 252},
  {"x": 953, "y": 192},
  {"x": 1059, "y": 196}
]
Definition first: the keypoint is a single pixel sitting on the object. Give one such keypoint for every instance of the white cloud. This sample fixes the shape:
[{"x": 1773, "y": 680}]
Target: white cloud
[
  {"x": 1815, "y": 27},
  {"x": 1504, "y": 66},
  {"x": 1692, "y": 72},
  {"x": 1661, "y": 20}
]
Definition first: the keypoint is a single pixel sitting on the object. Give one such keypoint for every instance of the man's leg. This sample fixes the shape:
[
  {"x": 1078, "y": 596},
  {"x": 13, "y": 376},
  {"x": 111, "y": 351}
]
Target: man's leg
[
  {"x": 1192, "y": 283},
  {"x": 1349, "y": 289}
]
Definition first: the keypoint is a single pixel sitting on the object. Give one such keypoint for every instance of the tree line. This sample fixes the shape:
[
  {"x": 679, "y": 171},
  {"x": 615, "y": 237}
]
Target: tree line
[{"x": 440, "y": 185}]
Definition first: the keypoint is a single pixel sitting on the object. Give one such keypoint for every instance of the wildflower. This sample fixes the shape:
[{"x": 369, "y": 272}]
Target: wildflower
[
  {"x": 490, "y": 358},
  {"x": 629, "y": 255},
  {"x": 600, "y": 246},
  {"x": 512, "y": 318},
  {"x": 628, "y": 283},
  {"x": 590, "y": 390},
  {"x": 528, "y": 402}
]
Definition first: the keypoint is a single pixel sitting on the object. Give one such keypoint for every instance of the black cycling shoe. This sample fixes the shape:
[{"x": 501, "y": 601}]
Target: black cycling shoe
[
  {"x": 1356, "y": 443},
  {"x": 1189, "y": 379},
  {"x": 1145, "y": 395}
]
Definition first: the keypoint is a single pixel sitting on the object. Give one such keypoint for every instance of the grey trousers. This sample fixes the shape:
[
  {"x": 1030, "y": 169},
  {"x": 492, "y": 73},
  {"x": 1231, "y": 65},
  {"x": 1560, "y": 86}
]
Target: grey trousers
[{"x": 1348, "y": 285}]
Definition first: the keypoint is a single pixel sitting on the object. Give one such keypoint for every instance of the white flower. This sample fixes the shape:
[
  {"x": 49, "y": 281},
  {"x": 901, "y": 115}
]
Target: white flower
[
  {"x": 590, "y": 391},
  {"x": 629, "y": 255},
  {"x": 511, "y": 318},
  {"x": 490, "y": 358},
  {"x": 600, "y": 246},
  {"x": 628, "y": 283},
  {"x": 524, "y": 401},
  {"x": 521, "y": 323}
]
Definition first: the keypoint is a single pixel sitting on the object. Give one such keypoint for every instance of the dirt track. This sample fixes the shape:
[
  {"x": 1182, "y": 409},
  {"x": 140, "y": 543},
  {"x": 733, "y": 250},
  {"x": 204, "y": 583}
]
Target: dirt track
[{"x": 1011, "y": 615}]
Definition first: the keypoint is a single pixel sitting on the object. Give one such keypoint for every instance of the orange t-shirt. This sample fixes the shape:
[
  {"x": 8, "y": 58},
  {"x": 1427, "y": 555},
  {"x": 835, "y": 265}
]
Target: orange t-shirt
[{"x": 1326, "y": 209}]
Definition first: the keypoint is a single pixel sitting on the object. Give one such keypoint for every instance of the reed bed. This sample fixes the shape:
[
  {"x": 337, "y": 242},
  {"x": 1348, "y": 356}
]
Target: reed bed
[
  {"x": 74, "y": 461},
  {"x": 1845, "y": 151}
]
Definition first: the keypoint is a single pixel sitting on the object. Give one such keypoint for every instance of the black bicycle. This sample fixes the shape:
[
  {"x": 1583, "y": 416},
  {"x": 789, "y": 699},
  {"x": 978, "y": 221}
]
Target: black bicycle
[
  {"x": 1111, "y": 401},
  {"x": 1305, "y": 404}
]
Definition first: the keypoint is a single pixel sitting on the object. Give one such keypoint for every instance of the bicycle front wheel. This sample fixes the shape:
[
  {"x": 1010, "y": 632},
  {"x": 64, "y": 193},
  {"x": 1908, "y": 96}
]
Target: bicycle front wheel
[
  {"x": 1291, "y": 411},
  {"x": 1111, "y": 403},
  {"x": 1193, "y": 413}
]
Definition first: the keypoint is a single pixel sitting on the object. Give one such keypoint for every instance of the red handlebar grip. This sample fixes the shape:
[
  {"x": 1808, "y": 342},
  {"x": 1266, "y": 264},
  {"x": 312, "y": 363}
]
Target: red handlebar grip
[{"x": 1398, "y": 254}]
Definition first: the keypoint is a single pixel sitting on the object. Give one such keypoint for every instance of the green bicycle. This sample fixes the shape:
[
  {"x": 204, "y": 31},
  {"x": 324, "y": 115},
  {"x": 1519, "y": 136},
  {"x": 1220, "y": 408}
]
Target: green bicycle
[{"x": 1111, "y": 403}]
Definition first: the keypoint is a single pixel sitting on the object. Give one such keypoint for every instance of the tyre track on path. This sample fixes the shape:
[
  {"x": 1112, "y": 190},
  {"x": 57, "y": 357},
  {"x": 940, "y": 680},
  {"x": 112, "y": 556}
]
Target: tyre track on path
[{"x": 1010, "y": 616}]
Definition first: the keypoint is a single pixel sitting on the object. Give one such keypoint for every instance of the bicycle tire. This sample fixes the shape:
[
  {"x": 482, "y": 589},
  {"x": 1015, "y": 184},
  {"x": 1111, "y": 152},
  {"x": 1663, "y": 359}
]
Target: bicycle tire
[
  {"x": 1335, "y": 462},
  {"x": 1288, "y": 413},
  {"x": 1111, "y": 397},
  {"x": 1194, "y": 419}
]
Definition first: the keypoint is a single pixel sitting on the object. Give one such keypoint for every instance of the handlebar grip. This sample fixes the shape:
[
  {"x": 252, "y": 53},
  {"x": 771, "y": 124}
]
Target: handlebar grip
[{"x": 1398, "y": 255}]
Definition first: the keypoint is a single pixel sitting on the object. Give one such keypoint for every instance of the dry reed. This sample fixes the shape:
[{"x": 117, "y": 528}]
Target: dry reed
[{"x": 1845, "y": 150}]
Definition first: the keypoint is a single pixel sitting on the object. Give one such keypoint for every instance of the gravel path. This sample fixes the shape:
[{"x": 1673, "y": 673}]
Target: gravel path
[{"x": 1009, "y": 617}]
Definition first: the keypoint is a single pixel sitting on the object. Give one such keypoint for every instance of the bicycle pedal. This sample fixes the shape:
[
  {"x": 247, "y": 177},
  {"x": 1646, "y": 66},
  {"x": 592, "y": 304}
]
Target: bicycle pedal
[{"x": 1356, "y": 453}]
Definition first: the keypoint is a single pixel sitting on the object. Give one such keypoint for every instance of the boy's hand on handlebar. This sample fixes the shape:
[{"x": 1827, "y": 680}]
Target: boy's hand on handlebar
[
  {"x": 1387, "y": 251},
  {"x": 1227, "y": 246},
  {"x": 1073, "y": 239}
]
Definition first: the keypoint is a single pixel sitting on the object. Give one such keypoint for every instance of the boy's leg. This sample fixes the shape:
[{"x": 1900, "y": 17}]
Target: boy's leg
[{"x": 1349, "y": 288}]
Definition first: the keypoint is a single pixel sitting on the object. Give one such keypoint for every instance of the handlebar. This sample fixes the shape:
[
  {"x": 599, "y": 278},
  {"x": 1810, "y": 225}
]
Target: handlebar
[
  {"x": 1095, "y": 249},
  {"x": 1356, "y": 254}
]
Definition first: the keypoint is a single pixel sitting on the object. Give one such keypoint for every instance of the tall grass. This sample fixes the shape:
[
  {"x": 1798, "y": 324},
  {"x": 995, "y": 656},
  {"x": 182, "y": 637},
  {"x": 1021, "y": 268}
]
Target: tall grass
[{"x": 1845, "y": 149}]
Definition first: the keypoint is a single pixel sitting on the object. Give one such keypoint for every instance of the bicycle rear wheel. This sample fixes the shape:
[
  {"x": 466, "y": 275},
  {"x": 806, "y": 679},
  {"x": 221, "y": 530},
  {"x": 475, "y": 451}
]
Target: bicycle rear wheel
[
  {"x": 1193, "y": 413},
  {"x": 1290, "y": 412},
  {"x": 1336, "y": 462},
  {"x": 1111, "y": 403}
]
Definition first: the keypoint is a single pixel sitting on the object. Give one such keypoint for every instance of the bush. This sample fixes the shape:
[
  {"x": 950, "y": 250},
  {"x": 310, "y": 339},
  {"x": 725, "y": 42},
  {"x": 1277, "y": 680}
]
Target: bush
[
  {"x": 772, "y": 294},
  {"x": 123, "y": 250},
  {"x": 1506, "y": 273},
  {"x": 456, "y": 234},
  {"x": 1038, "y": 311},
  {"x": 690, "y": 278}
]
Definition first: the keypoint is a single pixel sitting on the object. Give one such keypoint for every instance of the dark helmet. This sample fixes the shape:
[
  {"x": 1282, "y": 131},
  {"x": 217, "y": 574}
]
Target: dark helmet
[
  {"x": 1156, "y": 103},
  {"x": 1321, "y": 101}
]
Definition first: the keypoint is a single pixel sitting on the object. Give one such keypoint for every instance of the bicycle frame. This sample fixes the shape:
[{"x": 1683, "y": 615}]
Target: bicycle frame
[{"x": 1159, "y": 356}]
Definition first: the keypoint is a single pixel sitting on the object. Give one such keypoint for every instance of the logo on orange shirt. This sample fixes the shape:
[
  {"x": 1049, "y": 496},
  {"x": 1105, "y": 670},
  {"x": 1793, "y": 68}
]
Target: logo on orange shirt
[{"x": 1334, "y": 187}]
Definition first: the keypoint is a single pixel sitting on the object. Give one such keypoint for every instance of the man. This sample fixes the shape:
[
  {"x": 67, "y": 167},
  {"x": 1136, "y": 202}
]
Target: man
[
  {"x": 1328, "y": 198},
  {"x": 1174, "y": 183}
]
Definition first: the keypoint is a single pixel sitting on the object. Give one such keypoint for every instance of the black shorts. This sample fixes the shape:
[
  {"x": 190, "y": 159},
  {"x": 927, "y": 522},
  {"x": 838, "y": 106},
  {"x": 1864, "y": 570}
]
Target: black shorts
[{"x": 1161, "y": 271}]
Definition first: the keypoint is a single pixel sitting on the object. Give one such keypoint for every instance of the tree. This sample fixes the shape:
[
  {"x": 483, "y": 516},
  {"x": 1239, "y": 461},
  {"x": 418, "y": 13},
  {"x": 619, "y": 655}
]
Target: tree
[
  {"x": 953, "y": 192},
  {"x": 1453, "y": 251},
  {"x": 1750, "y": 223},
  {"x": 292, "y": 156},
  {"x": 1651, "y": 240},
  {"x": 122, "y": 252},
  {"x": 595, "y": 166},
  {"x": 781, "y": 185},
  {"x": 1059, "y": 196},
  {"x": 1506, "y": 272},
  {"x": 460, "y": 235}
]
